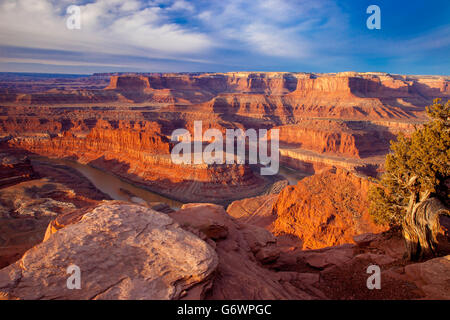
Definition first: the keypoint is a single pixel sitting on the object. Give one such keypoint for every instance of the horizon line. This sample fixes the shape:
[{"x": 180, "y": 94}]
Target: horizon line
[{"x": 212, "y": 72}]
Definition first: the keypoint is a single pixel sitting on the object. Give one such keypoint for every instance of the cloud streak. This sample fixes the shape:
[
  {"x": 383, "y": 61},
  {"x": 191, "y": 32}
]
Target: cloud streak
[
  {"x": 208, "y": 35},
  {"x": 110, "y": 26}
]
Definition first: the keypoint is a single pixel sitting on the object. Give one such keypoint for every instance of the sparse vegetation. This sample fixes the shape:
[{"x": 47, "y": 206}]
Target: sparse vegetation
[{"x": 413, "y": 191}]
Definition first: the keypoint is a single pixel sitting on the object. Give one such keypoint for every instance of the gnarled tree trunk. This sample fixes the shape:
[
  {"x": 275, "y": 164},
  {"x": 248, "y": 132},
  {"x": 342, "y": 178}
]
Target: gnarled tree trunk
[{"x": 421, "y": 225}]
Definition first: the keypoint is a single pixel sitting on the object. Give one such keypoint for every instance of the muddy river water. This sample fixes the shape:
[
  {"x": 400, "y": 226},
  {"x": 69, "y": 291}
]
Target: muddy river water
[
  {"x": 119, "y": 189},
  {"x": 110, "y": 184}
]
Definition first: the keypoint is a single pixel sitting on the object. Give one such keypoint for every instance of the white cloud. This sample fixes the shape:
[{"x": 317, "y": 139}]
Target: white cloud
[
  {"x": 273, "y": 41},
  {"x": 109, "y": 26},
  {"x": 58, "y": 62},
  {"x": 182, "y": 5},
  {"x": 149, "y": 29},
  {"x": 273, "y": 28}
]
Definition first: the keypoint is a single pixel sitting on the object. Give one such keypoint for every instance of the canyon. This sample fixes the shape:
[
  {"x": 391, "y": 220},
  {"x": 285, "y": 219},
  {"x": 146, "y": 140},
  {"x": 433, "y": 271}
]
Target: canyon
[
  {"x": 330, "y": 116},
  {"x": 292, "y": 235}
]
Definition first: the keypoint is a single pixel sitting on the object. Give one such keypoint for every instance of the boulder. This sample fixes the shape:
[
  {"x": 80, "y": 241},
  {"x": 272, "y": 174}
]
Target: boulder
[
  {"x": 333, "y": 256},
  {"x": 161, "y": 207},
  {"x": 123, "y": 252},
  {"x": 365, "y": 239},
  {"x": 207, "y": 218},
  {"x": 431, "y": 277},
  {"x": 262, "y": 243}
]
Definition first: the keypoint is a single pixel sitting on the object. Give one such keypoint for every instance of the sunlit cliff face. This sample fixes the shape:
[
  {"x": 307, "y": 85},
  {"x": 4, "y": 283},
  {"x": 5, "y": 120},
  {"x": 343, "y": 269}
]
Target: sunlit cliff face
[{"x": 333, "y": 131}]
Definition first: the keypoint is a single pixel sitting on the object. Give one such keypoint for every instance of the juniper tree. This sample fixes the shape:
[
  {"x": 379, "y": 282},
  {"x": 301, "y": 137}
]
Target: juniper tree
[{"x": 413, "y": 191}]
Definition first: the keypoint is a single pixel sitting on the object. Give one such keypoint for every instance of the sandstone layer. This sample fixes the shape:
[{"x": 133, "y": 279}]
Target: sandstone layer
[
  {"x": 324, "y": 210},
  {"x": 139, "y": 152},
  {"x": 301, "y": 105},
  {"x": 347, "y": 139},
  {"x": 15, "y": 169}
]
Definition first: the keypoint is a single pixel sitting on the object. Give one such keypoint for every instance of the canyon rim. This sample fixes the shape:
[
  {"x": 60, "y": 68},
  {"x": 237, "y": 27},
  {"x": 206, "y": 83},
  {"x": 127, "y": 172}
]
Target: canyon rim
[{"x": 241, "y": 153}]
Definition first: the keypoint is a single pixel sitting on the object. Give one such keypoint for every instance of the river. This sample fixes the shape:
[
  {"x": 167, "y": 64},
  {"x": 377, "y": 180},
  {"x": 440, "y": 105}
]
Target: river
[
  {"x": 110, "y": 184},
  {"x": 119, "y": 189},
  {"x": 292, "y": 175}
]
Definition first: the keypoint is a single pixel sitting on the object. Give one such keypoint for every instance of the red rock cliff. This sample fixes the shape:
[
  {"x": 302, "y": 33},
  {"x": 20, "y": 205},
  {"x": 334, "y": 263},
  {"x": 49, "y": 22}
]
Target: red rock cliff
[
  {"x": 324, "y": 210},
  {"x": 347, "y": 139},
  {"x": 138, "y": 152}
]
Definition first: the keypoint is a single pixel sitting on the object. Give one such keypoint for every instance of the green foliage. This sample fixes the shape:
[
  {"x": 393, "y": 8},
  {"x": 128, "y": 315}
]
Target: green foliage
[{"x": 417, "y": 167}]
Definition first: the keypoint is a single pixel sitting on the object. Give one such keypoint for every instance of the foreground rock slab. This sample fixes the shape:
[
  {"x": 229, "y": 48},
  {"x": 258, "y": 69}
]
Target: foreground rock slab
[
  {"x": 243, "y": 251},
  {"x": 432, "y": 277},
  {"x": 123, "y": 252}
]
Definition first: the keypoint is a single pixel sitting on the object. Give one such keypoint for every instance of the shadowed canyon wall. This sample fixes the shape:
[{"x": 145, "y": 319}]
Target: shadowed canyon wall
[
  {"x": 140, "y": 153},
  {"x": 325, "y": 120},
  {"x": 345, "y": 95}
]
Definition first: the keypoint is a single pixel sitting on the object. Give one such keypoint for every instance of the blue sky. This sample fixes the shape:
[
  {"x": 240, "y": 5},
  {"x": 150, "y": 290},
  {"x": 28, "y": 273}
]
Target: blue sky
[{"x": 221, "y": 35}]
